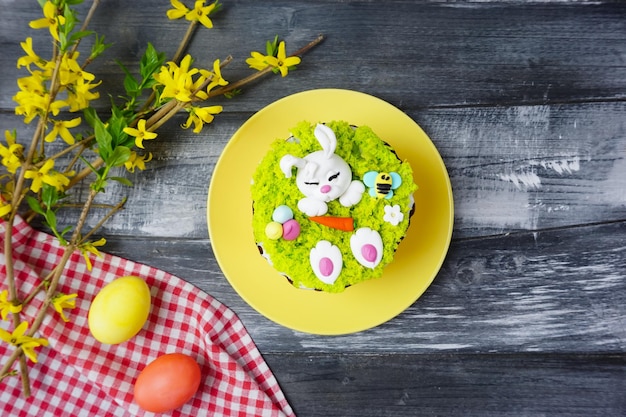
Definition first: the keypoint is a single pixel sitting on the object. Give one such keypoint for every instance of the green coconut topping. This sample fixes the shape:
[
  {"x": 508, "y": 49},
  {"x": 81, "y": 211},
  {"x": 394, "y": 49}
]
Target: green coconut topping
[{"x": 364, "y": 151}]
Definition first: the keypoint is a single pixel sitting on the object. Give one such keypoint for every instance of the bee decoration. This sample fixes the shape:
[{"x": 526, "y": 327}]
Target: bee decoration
[{"x": 382, "y": 184}]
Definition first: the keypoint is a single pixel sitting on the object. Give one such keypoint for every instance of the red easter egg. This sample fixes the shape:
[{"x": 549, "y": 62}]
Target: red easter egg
[{"x": 167, "y": 383}]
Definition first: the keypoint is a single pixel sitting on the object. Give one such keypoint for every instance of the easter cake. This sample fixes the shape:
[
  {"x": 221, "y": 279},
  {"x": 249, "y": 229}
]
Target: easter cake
[{"x": 331, "y": 204}]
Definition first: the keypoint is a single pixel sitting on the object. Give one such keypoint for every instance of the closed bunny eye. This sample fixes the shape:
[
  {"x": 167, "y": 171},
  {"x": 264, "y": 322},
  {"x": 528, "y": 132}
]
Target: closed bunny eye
[{"x": 333, "y": 177}]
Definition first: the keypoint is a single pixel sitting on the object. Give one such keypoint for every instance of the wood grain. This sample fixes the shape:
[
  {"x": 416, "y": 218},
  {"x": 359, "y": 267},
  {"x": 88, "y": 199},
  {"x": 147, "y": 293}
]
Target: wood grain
[
  {"x": 554, "y": 291},
  {"x": 452, "y": 385},
  {"x": 511, "y": 168},
  {"x": 415, "y": 55},
  {"x": 525, "y": 101}
]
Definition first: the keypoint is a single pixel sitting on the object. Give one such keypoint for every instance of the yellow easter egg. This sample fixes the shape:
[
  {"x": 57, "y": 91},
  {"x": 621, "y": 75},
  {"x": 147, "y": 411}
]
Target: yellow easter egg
[{"x": 119, "y": 310}]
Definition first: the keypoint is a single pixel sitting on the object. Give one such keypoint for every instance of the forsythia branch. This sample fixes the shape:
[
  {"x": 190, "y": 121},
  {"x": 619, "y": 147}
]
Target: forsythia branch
[{"x": 159, "y": 92}]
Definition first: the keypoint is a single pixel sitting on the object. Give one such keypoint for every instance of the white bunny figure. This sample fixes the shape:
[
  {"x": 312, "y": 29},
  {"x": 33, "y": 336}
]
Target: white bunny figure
[{"x": 323, "y": 176}]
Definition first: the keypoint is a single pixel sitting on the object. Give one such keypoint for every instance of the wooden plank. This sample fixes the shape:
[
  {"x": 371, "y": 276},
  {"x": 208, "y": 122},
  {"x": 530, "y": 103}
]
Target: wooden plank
[
  {"x": 445, "y": 54},
  {"x": 552, "y": 291},
  {"x": 532, "y": 167},
  {"x": 452, "y": 385},
  {"x": 511, "y": 168}
]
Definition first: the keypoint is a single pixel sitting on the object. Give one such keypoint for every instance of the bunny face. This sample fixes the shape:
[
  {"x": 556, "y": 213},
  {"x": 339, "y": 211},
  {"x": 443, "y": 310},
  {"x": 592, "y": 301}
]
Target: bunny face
[{"x": 323, "y": 177}]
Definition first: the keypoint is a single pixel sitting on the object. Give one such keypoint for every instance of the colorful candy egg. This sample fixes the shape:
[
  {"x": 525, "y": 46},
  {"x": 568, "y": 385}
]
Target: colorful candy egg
[
  {"x": 274, "y": 230},
  {"x": 282, "y": 213},
  {"x": 291, "y": 229}
]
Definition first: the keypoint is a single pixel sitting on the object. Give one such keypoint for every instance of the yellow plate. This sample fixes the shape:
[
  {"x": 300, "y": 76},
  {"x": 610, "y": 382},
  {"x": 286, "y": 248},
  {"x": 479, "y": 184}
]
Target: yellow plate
[{"x": 369, "y": 303}]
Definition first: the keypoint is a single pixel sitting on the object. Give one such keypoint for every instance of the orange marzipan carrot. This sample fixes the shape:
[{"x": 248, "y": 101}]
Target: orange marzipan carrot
[{"x": 342, "y": 223}]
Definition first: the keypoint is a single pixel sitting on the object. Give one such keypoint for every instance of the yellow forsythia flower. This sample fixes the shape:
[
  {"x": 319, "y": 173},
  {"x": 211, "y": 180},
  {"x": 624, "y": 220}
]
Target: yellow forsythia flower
[
  {"x": 61, "y": 128},
  {"x": 80, "y": 95},
  {"x": 46, "y": 175},
  {"x": 140, "y": 133},
  {"x": 281, "y": 61},
  {"x": 177, "y": 80},
  {"x": 5, "y": 208},
  {"x": 137, "y": 161},
  {"x": 11, "y": 155},
  {"x": 26, "y": 343},
  {"x": 257, "y": 61},
  {"x": 179, "y": 10},
  {"x": 200, "y": 13},
  {"x": 50, "y": 20},
  {"x": 70, "y": 70},
  {"x": 200, "y": 115},
  {"x": 216, "y": 76},
  {"x": 6, "y": 306},
  {"x": 90, "y": 247},
  {"x": 61, "y": 301},
  {"x": 31, "y": 57}
]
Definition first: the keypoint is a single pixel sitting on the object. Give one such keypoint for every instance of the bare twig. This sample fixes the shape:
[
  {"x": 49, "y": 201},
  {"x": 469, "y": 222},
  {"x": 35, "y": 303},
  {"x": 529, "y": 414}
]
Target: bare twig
[
  {"x": 56, "y": 277},
  {"x": 191, "y": 29},
  {"x": 111, "y": 212}
]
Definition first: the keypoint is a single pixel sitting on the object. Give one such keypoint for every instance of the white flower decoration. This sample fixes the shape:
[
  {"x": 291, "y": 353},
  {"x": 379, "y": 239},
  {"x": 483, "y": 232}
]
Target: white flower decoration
[{"x": 393, "y": 215}]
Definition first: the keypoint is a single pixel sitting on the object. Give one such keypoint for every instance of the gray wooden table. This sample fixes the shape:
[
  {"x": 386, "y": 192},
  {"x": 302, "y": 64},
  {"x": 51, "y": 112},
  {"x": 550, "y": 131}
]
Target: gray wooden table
[{"x": 525, "y": 101}]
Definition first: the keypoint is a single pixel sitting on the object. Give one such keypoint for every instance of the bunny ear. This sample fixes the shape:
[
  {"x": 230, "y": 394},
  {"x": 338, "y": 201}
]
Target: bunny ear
[
  {"x": 326, "y": 137},
  {"x": 287, "y": 162}
]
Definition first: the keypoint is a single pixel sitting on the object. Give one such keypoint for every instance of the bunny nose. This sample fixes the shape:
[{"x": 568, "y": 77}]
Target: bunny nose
[{"x": 325, "y": 189}]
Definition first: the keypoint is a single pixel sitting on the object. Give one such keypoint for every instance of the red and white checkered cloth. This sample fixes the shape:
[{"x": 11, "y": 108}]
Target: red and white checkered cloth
[{"x": 77, "y": 375}]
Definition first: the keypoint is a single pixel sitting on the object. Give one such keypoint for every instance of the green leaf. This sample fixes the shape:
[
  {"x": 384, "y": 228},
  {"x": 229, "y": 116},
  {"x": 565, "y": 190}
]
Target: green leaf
[
  {"x": 116, "y": 126},
  {"x": 120, "y": 155},
  {"x": 122, "y": 67},
  {"x": 99, "y": 47},
  {"x": 62, "y": 41},
  {"x": 271, "y": 47},
  {"x": 49, "y": 195},
  {"x": 34, "y": 205},
  {"x": 122, "y": 180},
  {"x": 218, "y": 7},
  {"x": 51, "y": 219},
  {"x": 150, "y": 62},
  {"x": 70, "y": 19},
  {"x": 233, "y": 93},
  {"x": 130, "y": 82},
  {"x": 66, "y": 230},
  {"x": 148, "y": 82},
  {"x": 65, "y": 30},
  {"x": 91, "y": 117},
  {"x": 80, "y": 34},
  {"x": 91, "y": 167},
  {"x": 104, "y": 139},
  {"x": 130, "y": 85}
]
